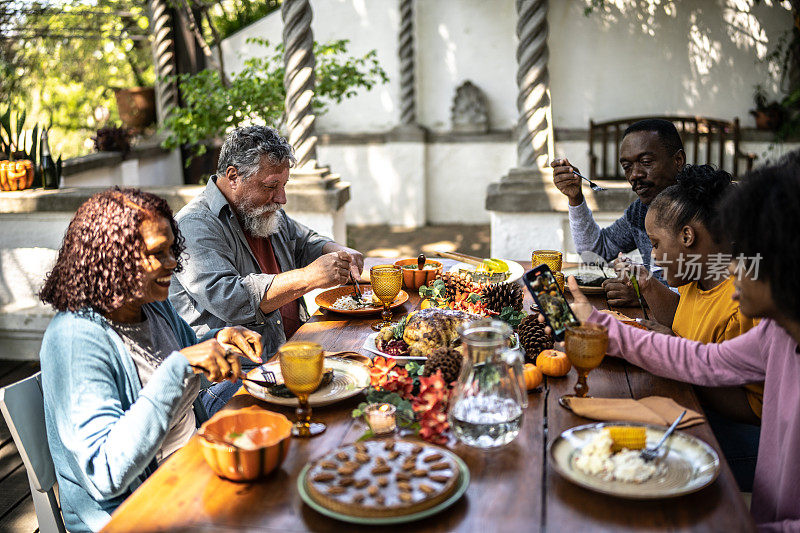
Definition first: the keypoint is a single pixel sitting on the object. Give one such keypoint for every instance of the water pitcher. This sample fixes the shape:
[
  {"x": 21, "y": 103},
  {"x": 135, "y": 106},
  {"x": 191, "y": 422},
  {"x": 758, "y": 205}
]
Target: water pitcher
[{"x": 489, "y": 397}]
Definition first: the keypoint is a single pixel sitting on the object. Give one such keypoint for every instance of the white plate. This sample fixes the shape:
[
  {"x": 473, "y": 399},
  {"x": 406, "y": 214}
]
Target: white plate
[
  {"x": 690, "y": 463},
  {"x": 349, "y": 378},
  {"x": 369, "y": 345},
  {"x": 515, "y": 270}
]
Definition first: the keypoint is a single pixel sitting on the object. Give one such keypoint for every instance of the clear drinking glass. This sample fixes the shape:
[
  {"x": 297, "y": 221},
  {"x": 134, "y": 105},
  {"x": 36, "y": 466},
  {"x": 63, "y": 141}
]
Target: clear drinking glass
[
  {"x": 302, "y": 369},
  {"x": 586, "y": 347},
  {"x": 386, "y": 281}
]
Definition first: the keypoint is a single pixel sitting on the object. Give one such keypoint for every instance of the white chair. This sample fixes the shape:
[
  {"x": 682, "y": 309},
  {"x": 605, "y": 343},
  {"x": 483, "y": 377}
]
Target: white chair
[{"x": 22, "y": 406}]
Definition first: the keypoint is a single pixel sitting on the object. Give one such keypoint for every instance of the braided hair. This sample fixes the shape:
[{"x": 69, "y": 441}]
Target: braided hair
[{"x": 696, "y": 196}]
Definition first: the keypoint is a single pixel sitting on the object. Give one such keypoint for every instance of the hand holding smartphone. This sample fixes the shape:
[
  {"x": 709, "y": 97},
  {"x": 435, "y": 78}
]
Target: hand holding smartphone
[{"x": 551, "y": 301}]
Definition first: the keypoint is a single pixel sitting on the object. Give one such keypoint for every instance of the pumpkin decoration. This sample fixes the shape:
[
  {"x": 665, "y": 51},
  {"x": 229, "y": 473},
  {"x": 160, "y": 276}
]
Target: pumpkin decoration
[
  {"x": 16, "y": 175},
  {"x": 533, "y": 376},
  {"x": 553, "y": 363}
]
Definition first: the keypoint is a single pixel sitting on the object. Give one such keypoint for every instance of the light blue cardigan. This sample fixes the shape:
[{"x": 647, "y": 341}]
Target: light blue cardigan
[{"x": 103, "y": 428}]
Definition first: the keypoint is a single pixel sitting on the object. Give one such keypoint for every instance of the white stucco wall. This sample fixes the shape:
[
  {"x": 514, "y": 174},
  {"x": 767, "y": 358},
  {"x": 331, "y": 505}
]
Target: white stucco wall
[{"x": 697, "y": 58}]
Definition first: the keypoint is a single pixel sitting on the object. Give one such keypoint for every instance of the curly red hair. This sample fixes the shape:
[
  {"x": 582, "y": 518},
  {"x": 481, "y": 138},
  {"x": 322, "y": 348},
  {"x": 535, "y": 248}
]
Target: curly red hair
[{"x": 99, "y": 264}]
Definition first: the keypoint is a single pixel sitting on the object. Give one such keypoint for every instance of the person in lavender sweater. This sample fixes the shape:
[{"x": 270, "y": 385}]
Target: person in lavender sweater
[
  {"x": 762, "y": 216},
  {"x": 651, "y": 155}
]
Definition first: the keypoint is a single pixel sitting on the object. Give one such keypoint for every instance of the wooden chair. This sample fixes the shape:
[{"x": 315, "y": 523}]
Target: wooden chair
[
  {"x": 22, "y": 406},
  {"x": 705, "y": 140}
]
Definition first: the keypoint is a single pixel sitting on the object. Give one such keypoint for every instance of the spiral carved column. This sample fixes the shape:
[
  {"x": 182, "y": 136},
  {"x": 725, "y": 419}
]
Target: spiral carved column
[
  {"x": 163, "y": 58},
  {"x": 408, "y": 100},
  {"x": 533, "y": 100},
  {"x": 299, "y": 63}
]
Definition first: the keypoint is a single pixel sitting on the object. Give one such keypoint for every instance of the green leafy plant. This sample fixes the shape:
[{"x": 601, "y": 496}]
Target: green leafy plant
[
  {"x": 256, "y": 93},
  {"x": 240, "y": 14}
]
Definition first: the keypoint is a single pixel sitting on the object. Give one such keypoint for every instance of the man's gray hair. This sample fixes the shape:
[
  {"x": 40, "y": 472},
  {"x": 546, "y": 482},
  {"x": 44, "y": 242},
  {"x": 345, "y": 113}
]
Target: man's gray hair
[{"x": 244, "y": 147}]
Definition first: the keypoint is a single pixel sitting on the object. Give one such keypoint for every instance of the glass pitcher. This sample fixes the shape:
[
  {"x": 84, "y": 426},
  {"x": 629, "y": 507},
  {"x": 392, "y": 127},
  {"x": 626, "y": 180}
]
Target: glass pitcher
[{"x": 487, "y": 401}]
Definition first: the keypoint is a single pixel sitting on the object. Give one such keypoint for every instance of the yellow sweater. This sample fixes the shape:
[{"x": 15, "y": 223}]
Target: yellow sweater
[{"x": 711, "y": 317}]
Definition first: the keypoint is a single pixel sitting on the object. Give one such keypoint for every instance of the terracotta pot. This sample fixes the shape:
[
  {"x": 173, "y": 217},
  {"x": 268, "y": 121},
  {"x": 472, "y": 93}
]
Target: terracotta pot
[
  {"x": 137, "y": 106},
  {"x": 413, "y": 278},
  {"x": 238, "y": 464},
  {"x": 769, "y": 119}
]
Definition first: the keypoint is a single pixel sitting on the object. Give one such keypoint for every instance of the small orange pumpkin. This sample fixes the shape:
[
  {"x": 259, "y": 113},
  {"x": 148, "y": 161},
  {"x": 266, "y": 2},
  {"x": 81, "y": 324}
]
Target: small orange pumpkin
[
  {"x": 553, "y": 363},
  {"x": 533, "y": 376}
]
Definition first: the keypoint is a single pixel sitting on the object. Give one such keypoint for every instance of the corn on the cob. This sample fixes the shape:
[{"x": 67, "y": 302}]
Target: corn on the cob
[{"x": 632, "y": 438}]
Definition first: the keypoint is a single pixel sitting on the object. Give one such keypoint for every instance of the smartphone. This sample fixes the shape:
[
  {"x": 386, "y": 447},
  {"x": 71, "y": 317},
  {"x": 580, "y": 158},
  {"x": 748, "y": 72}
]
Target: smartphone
[{"x": 551, "y": 301}]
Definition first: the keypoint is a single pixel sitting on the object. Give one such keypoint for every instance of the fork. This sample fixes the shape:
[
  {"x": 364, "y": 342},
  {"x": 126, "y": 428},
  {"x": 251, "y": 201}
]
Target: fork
[
  {"x": 595, "y": 187},
  {"x": 356, "y": 288},
  {"x": 648, "y": 454}
]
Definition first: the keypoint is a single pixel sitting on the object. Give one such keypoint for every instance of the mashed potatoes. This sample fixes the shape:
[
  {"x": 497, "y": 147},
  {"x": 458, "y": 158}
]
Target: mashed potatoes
[{"x": 596, "y": 459}]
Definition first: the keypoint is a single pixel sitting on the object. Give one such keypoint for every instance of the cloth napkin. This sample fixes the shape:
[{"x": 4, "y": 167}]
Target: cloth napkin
[{"x": 656, "y": 410}]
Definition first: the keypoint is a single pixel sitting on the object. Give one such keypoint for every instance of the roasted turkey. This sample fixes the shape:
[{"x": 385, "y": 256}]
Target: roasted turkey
[{"x": 431, "y": 328}]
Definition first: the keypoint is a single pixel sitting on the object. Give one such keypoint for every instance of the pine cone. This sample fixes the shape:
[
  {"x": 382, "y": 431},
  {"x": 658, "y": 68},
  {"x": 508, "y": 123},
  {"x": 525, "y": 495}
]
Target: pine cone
[
  {"x": 448, "y": 360},
  {"x": 532, "y": 336},
  {"x": 457, "y": 282},
  {"x": 502, "y": 295}
]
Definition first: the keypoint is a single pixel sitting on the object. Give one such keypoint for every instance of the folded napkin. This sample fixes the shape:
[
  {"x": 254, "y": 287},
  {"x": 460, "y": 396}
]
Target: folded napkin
[{"x": 656, "y": 410}]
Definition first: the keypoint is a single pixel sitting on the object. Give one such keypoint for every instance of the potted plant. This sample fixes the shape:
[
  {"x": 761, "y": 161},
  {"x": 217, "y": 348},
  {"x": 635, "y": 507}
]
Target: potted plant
[{"x": 768, "y": 115}]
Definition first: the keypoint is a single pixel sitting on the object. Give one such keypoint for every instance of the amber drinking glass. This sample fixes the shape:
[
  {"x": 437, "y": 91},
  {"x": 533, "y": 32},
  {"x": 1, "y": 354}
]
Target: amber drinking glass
[
  {"x": 386, "y": 281},
  {"x": 302, "y": 368},
  {"x": 551, "y": 258},
  {"x": 586, "y": 346}
]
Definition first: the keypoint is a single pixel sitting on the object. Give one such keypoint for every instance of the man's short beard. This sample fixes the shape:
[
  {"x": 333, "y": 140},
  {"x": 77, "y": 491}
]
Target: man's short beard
[{"x": 261, "y": 221}]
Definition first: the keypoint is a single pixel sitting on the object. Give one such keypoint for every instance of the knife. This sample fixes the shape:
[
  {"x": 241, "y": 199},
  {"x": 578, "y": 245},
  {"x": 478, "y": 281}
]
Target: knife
[{"x": 635, "y": 284}]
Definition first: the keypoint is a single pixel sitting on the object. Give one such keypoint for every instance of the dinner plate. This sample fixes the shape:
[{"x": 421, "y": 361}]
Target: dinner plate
[
  {"x": 591, "y": 271},
  {"x": 515, "y": 270},
  {"x": 349, "y": 378},
  {"x": 690, "y": 464},
  {"x": 326, "y": 299},
  {"x": 463, "y": 483},
  {"x": 369, "y": 345}
]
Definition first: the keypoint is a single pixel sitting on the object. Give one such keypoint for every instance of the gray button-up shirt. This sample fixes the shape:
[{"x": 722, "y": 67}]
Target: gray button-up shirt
[{"x": 221, "y": 283}]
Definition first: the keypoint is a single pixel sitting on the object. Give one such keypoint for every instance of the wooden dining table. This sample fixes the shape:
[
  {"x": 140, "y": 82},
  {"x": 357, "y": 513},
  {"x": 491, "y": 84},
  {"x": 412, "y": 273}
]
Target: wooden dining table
[{"x": 512, "y": 488}]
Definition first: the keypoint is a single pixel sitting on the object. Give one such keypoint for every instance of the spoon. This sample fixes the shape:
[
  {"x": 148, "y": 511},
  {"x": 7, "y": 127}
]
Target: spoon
[{"x": 595, "y": 187}]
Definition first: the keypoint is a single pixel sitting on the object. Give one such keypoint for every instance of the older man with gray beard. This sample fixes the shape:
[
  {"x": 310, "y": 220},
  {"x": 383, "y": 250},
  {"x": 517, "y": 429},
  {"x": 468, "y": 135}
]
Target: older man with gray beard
[{"x": 248, "y": 262}]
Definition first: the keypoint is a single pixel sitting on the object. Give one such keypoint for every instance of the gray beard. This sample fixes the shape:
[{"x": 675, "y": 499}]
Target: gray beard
[{"x": 261, "y": 221}]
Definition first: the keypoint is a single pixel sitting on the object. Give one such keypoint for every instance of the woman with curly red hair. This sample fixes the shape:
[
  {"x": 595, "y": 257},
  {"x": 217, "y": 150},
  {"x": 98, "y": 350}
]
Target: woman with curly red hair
[{"x": 119, "y": 366}]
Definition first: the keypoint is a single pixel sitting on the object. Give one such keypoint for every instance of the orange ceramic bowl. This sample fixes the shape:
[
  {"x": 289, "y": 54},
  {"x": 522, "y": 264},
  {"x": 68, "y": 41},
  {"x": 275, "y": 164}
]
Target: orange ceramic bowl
[
  {"x": 238, "y": 464},
  {"x": 414, "y": 278}
]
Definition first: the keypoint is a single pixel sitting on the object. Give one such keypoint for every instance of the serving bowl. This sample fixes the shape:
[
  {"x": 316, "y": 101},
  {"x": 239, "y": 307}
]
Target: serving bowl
[
  {"x": 244, "y": 464},
  {"x": 414, "y": 278}
]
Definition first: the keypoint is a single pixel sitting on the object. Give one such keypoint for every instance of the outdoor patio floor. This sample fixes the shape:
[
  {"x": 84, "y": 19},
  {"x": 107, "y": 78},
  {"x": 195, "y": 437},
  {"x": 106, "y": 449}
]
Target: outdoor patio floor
[{"x": 16, "y": 506}]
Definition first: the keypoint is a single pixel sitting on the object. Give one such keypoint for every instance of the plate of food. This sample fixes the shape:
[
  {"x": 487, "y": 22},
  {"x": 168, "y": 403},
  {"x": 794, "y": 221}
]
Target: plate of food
[
  {"x": 341, "y": 300},
  {"x": 382, "y": 482},
  {"x": 343, "y": 378},
  {"x": 605, "y": 458},
  {"x": 515, "y": 270},
  {"x": 625, "y": 319},
  {"x": 590, "y": 278},
  {"x": 418, "y": 334}
]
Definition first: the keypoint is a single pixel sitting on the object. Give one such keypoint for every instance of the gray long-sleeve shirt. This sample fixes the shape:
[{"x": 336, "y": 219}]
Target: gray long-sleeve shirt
[
  {"x": 221, "y": 283},
  {"x": 625, "y": 235}
]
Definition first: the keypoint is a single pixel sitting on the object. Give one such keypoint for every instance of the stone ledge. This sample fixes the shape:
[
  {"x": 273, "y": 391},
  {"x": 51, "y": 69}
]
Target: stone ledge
[
  {"x": 144, "y": 150},
  {"x": 69, "y": 199},
  {"x": 532, "y": 191}
]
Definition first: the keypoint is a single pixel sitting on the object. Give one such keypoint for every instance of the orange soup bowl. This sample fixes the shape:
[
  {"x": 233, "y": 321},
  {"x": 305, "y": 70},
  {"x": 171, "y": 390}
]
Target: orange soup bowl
[
  {"x": 413, "y": 278},
  {"x": 245, "y": 464}
]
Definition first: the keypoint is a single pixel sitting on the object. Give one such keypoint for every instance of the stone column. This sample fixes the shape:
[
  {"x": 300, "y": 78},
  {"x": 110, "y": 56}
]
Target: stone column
[
  {"x": 163, "y": 57},
  {"x": 534, "y": 130},
  {"x": 520, "y": 199},
  {"x": 406, "y": 142},
  {"x": 298, "y": 40},
  {"x": 315, "y": 196},
  {"x": 408, "y": 98}
]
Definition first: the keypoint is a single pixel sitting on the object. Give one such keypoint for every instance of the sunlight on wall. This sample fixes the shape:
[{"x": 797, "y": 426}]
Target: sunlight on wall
[{"x": 450, "y": 54}]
